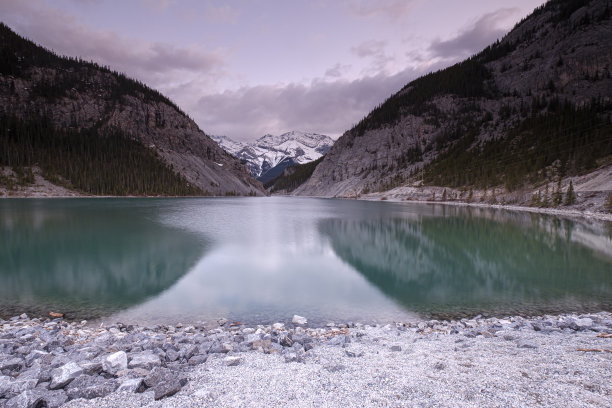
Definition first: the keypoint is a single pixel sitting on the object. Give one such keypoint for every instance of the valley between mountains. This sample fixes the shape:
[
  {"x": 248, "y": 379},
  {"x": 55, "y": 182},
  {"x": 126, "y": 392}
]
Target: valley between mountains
[{"x": 526, "y": 121}]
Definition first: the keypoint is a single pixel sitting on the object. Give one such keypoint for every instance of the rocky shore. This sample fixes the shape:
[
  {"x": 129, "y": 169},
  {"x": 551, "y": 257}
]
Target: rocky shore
[{"x": 551, "y": 360}]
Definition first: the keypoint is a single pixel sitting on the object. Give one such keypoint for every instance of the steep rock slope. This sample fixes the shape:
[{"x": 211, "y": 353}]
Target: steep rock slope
[
  {"x": 269, "y": 155},
  {"x": 78, "y": 96},
  {"x": 528, "y": 109}
]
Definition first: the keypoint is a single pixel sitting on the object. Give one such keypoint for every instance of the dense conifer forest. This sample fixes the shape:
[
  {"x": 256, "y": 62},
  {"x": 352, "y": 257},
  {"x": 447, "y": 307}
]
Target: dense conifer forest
[
  {"x": 565, "y": 140},
  {"x": 92, "y": 161},
  {"x": 293, "y": 177}
]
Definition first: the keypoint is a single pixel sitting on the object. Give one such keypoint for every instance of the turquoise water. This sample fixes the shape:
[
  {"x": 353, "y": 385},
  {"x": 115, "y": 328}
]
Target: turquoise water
[{"x": 259, "y": 260}]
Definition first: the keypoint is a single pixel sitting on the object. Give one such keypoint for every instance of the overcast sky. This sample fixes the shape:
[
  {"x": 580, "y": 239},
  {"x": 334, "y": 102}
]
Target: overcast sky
[{"x": 251, "y": 67}]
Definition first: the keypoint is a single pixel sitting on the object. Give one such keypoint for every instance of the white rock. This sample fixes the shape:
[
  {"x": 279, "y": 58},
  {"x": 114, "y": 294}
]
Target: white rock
[
  {"x": 232, "y": 361},
  {"x": 278, "y": 326},
  {"x": 115, "y": 363},
  {"x": 299, "y": 320}
]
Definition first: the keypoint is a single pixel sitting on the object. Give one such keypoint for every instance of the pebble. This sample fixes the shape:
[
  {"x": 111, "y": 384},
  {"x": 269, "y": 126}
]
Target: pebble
[{"x": 54, "y": 361}]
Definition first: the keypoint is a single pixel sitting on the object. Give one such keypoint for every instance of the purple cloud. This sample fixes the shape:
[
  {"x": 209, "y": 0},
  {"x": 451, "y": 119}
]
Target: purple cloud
[
  {"x": 321, "y": 106},
  {"x": 475, "y": 37}
]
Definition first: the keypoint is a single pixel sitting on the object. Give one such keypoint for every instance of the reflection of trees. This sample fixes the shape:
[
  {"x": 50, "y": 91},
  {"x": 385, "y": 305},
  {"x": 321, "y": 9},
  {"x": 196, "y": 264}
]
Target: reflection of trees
[
  {"x": 88, "y": 259},
  {"x": 464, "y": 258}
]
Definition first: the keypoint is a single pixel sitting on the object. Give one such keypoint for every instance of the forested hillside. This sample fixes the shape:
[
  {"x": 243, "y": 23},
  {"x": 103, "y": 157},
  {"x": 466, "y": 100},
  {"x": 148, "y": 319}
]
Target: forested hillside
[
  {"x": 96, "y": 131},
  {"x": 533, "y": 108}
]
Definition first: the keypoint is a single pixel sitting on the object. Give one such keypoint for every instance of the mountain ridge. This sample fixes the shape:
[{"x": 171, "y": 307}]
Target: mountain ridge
[
  {"x": 477, "y": 116},
  {"x": 269, "y": 155},
  {"x": 81, "y": 97}
]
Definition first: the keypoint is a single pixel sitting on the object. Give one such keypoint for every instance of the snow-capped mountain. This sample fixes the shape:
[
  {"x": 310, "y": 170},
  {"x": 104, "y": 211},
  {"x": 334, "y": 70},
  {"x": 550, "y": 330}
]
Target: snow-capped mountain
[{"x": 269, "y": 155}]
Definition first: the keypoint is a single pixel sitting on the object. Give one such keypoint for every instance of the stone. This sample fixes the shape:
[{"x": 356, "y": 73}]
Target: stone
[
  {"x": 172, "y": 355},
  {"x": 34, "y": 372},
  {"x": 396, "y": 348},
  {"x": 526, "y": 344},
  {"x": 581, "y": 324},
  {"x": 157, "y": 375},
  {"x": 18, "y": 386},
  {"x": 27, "y": 399},
  {"x": 91, "y": 367},
  {"x": 190, "y": 352},
  {"x": 251, "y": 338},
  {"x": 292, "y": 358},
  {"x": 38, "y": 355},
  {"x": 338, "y": 340},
  {"x": 232, "y": 361},
  {"x": 145, "y": 359},
  {"x": 166, "y": 389},
  {"x": 11, "y": 364},
  {"x": 285, "y": 341},
  {"x": 299, "y": 320},
  {"x": 54, "y": 399},
  {"x": 63, "y": 375},
  {"x": 197, "y": 360},
  {"x": 278, "y": 326},
  {"x": 131, "y": 385},
  {"x": 90, "y": 387},
  {"x": 221, "y": 347},
  {"x": 115, "y": 362},
  {"x": 222, "y": 321}
]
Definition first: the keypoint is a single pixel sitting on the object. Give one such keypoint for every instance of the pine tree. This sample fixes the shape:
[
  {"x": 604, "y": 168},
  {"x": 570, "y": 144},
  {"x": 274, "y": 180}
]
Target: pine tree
[
  {"x": 546, "y": 198},
  {"x": 558, "y": 194},
  {"x": 536, "y": 200},
  {"x": 570, "y": 196},
  {"x": 444, "y": 195},
  {"x": 608, "y": 203}
]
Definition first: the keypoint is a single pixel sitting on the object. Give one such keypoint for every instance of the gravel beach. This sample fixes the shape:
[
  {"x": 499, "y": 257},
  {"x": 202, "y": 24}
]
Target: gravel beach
[{"x": 549, "y": 360}]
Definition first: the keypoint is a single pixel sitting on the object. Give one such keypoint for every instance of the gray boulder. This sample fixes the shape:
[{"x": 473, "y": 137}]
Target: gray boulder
[
  {"x": 146, "y": 360},
  {"x": 11, "y": 364},
  {"x": 131, "y": 385},
  {"x": 63, "y": 375},
  {"x": 164, "y": 382},
  {"x": 90, "y": 387}
]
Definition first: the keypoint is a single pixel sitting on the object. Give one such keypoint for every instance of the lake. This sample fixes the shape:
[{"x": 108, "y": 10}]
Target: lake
[{"x": 261, "y": 260}]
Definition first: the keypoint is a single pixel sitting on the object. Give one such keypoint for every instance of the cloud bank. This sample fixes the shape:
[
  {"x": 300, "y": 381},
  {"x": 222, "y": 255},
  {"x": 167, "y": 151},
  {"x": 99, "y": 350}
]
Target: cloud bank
[{"x": 189, "y": 75}]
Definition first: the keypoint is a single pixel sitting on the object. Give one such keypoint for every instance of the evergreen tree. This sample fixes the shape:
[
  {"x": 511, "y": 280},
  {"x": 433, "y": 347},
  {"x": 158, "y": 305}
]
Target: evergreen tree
[
  {"x": 546, "y": 197},
  {"x": 570, "y": 196},
  {"x": 558, "y": 194},
  {"x": 608, "y": 203}
]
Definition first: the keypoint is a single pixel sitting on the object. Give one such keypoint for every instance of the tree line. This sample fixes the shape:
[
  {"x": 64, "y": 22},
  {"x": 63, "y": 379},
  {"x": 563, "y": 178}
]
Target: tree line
[{"x": 94, "y": 161}]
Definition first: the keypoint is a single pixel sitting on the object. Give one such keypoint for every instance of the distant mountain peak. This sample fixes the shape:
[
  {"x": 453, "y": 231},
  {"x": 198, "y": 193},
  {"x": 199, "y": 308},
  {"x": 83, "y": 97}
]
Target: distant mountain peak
[{"x": 265, "y": 156}]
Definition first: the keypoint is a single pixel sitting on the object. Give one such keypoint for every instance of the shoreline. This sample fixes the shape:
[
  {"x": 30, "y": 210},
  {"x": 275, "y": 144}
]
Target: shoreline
[
  {"x": 562, "y": 212},
  {"x": 446, "y": 363}
]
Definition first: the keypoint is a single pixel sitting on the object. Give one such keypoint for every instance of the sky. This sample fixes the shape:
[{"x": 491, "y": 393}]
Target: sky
[{"x": 246, "y": 68}]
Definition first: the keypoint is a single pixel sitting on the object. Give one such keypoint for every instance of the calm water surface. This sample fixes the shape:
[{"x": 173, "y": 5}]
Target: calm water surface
[{"x": 258, "y": 260}]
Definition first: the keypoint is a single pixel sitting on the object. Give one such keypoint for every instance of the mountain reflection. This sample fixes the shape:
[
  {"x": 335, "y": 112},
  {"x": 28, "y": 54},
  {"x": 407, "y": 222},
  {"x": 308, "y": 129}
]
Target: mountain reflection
[
  {"x": 87, "y": 261},
  {"x": 463, "y": 260}
]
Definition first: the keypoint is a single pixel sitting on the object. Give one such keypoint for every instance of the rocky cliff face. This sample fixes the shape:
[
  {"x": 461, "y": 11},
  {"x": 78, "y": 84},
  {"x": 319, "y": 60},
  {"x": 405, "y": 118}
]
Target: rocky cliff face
[
  {"x": 80, "y": 95},
  {"x": 561, "y": 55}
]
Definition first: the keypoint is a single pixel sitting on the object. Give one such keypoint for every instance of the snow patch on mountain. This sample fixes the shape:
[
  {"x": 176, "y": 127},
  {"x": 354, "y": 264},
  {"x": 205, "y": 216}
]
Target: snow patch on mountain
[{"x": 268, "y": 151}]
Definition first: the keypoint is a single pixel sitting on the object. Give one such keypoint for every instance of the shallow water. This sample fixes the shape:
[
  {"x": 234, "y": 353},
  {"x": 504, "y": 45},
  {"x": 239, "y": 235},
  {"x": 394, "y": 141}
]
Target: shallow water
[{"x": 258, "y": 260}]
